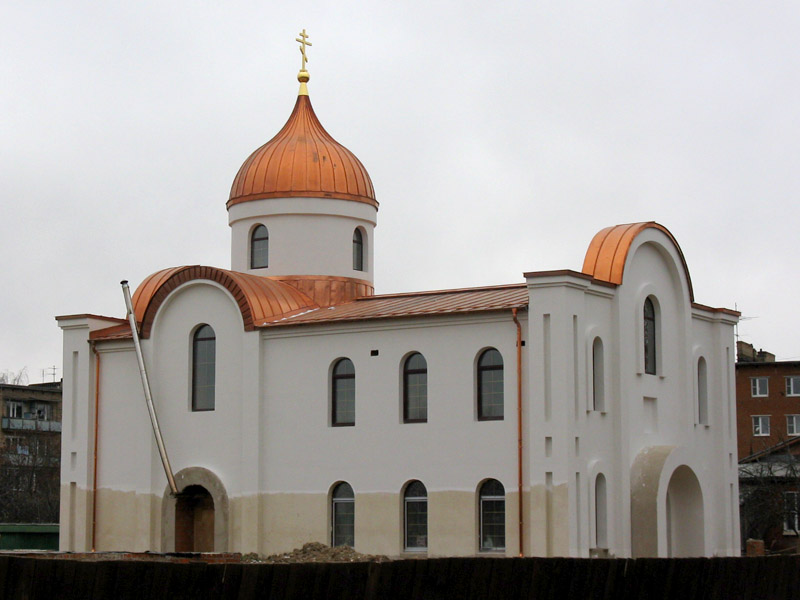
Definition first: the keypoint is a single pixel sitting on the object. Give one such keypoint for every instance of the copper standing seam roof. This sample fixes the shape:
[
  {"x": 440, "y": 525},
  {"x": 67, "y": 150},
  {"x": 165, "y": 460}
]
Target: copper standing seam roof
[
  {"x": 259, "y": 298},
  {"x": 608, "y": 251},
  {"x": 468, "y": 300},
  {"x": 302, "y": 160}
]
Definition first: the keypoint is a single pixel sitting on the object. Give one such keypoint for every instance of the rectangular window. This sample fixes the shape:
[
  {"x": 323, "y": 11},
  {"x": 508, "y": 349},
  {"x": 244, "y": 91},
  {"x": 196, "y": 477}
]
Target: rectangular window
[
  {"x": 793, "y": 385},
  {"x": 761, "y": 425},
  {"x": 14, "y": 410},
  {"x": 759, "y": 387},
  {"x": 493, "y": 523},
  {"x": 344, "y": 522},
  {"x": 792, "y": 424},
  {"x": 416, "y": 524},
  {"x": 790, "y": 509}
]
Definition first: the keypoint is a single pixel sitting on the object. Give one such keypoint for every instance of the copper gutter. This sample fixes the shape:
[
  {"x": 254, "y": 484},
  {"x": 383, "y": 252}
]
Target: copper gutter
[
  {"x": 519, "y": 430},
  {"x": 96, "y": 436},
  {"x": 148, "y": 396}
]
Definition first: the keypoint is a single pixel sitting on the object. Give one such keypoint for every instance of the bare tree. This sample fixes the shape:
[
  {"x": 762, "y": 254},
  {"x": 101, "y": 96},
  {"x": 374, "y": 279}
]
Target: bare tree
[
  {"x": 769, "y": 487},
  {"x": 29, "y": 480},
  {"x": 15, "y": 377}
]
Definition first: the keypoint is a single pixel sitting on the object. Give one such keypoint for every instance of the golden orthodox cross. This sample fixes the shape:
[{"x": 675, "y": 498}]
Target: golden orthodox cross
[{"x": 303, "y": 39}]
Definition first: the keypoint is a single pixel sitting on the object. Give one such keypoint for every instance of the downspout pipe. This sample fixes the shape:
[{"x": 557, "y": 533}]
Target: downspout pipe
[
  {"x": 96, "y": 437},
  {"x": 148, "y": 396},
  {"x": 519, "y": 431}
]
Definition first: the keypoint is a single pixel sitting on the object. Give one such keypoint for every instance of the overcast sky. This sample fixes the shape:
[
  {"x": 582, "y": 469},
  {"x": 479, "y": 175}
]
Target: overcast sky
[{"x": 500, "y": 138}]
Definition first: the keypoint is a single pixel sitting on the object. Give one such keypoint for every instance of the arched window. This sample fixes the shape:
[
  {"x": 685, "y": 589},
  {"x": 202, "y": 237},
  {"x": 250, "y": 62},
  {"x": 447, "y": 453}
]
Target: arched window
[
  {"x": 598, "y": 376},
  {"x": 343, "y": 393},
  {"x": 600, "y": 512},
  {"x": 415, "y": 516},
  {"x": 649, "y": 337},
  {"x": 490, "y": 385},
  {"x": 492, "y": 516},
  {"x": 415, "y": 389},
  {"x": 702, "y": 391},
  {"x": 358, "y": 251},
  {"x": 343, "y": 516},
  {"x": 259, "y": 248},
  {"x": 204, "y": 351}
]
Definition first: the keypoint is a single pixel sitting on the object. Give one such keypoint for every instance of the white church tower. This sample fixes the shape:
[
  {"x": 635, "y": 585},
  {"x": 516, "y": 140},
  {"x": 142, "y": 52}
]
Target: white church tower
[{"x": 302, "y": 210}]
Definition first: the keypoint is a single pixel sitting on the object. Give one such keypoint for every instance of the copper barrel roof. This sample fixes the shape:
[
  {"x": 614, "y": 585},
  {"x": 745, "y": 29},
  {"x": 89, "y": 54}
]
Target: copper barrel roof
[
  {"x": 259, "y": 299},
  {"x": 302, "y": 160},
  {"x": 608, "y": 251},
  {"x": 443, "y": 302}
]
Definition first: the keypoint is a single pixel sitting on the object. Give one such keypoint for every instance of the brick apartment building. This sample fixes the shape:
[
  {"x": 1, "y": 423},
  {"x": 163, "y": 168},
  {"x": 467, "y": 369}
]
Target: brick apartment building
[
  {"x": 767, "y": 400},
  {"x": 768, "y": 425}
]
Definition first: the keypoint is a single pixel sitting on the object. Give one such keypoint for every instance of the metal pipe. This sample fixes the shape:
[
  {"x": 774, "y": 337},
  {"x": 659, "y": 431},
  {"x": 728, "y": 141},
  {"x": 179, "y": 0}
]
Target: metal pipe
[
  {"x": 519, "y": 430},
  {"x": 96, "y": 438},
  {"x": 162, "y": 450}
]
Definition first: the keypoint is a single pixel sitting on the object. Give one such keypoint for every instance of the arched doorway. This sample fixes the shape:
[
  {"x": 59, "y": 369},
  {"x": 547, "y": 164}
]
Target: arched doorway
[
  {"x": 685, "y": 526},
  {"x": 194, "y": 520}
]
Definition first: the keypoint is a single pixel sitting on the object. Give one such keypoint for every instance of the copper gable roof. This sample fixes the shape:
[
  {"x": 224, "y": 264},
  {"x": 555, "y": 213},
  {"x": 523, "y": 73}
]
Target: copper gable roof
[
  {"x": 302, "y": 160},
  {"x": 442, "y": 302}
]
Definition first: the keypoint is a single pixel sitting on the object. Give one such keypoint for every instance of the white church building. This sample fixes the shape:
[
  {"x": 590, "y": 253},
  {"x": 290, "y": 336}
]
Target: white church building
[{"x": 573, "y": 414}]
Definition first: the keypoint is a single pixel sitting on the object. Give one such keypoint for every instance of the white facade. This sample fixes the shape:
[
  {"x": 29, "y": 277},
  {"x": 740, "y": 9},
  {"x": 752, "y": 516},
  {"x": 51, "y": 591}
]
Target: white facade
[{"x": 614, "y": 460}]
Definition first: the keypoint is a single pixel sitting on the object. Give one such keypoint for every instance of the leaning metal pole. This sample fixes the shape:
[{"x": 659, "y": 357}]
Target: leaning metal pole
[{"x": 148, "y": 396}]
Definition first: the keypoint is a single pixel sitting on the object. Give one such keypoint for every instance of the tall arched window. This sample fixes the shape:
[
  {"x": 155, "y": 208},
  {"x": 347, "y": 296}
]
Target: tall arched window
[
  {"x": 204, "y": 358},
  {"x": 259, "y": 248},
  {"x": 343, "y": 516},
  {"x": 702, "y": 391},
  {"x": 492, "y": 516},
  {"x": 415, "y": 389},
  {"x": 415, "y": 515},
  {"x": 490, "y": 385},
  {"x": 600, "y": 512},
  {"x": 358, "y": 250},
  {"x": 598, "y": 376},
  {"x": 343, "y": 393},
  {"x": 649, "y": 337}
]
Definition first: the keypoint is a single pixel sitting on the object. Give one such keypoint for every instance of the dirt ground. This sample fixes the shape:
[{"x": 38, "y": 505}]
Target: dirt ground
[
  {"x": 316, "y": 552},
  {"x": 310, "y": 552}
]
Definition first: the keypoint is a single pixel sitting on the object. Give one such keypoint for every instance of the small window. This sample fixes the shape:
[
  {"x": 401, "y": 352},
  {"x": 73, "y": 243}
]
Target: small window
[
  {"x": 761, "y": 425},
  {"x": 344, "y": 393},
  {"x": 793, "y": 385},
  {"x": 415, "y": 389},
  {"x": 415, "y": 515},
  {"x": 204, "y": 359},
  {"x": 14, "y": 410},
  {"x": 598, "y": 376},
  {"x": 259, "y": 248},
  {"x": 649, "y": 337},
  {"x": 702, "y": 392},
  {"x": 358, "y": 251},
  {"x": 759, "y": 387},
  {"x": 490, "y": 385},
  {"x": 343, "y": 516},
  {"x": 792, "y": 424},
  {"x": 492, "y": 516}
]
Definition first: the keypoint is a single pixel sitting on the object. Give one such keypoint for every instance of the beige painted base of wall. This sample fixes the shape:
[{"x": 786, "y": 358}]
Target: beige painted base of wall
[
  {"x": 125, "y": 520},
  {"x": 274, "y": 523}
]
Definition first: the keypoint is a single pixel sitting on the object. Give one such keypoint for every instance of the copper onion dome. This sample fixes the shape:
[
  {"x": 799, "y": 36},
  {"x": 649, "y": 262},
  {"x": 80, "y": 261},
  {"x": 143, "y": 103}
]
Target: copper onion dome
[{"x": 302, "y": 160}]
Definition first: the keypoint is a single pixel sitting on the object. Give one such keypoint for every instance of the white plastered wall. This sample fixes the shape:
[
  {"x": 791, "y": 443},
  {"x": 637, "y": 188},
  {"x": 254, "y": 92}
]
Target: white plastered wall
[
  {"x": 451, "y": 453},
  {"x": 307, "y": 236}
]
